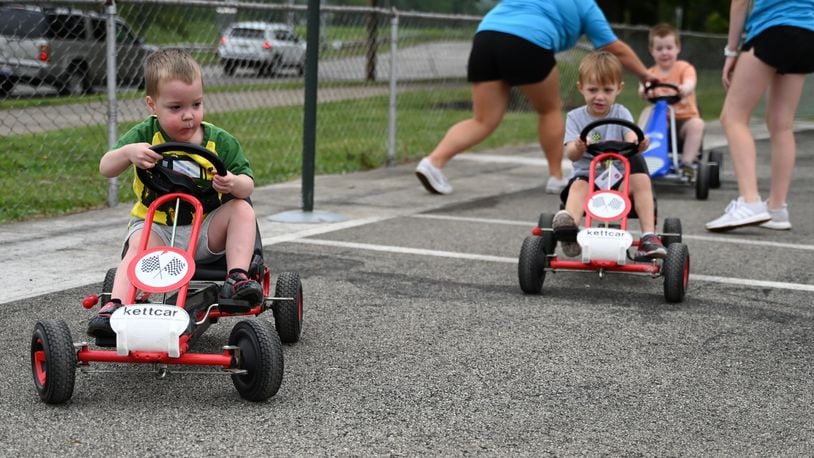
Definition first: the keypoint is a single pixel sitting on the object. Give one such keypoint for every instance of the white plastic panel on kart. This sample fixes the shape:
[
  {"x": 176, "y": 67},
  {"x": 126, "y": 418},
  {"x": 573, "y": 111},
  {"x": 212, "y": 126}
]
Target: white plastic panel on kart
[
  {"x": 149, "y": 327},
  {"x": 655, "y": 165},
  {"x": 607, "y": 205},
  {"x": 604, "y": 244},
  {"x": 161, "y": 269}
]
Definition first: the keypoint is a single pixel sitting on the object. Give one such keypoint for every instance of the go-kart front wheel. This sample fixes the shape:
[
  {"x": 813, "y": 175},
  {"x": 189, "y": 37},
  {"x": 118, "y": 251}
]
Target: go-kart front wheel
[
  {"x": 288, "y": 313},
  {"x": 53, "y": 361},
  {"x": 261, "y": 356},
  {"x": 676, "y": 272},
  {"x": 702, "y": 181},
  {"x": 531, "y": 265}
]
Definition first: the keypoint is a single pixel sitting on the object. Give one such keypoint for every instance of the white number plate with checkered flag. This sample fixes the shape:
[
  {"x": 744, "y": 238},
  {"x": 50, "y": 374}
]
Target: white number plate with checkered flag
[{"x": 161, "y": 269}]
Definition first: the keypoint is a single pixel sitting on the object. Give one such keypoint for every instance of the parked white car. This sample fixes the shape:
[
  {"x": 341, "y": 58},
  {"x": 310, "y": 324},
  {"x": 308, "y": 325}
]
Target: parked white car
[{"x": 265, "y": 46}]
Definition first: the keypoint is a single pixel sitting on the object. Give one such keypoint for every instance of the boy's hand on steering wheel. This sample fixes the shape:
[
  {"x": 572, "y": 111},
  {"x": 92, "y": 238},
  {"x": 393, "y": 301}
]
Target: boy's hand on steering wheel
[
  {"x": 224, "y": 184},
  {"x": 644, "y": 144},
  {"x": 141, "y": 155}
]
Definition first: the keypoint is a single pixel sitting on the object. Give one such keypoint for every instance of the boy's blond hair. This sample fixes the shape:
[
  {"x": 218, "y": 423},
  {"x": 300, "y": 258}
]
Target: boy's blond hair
[
  {"x": 662, "y": 30},
  {"x": 600, "y": 67},
  {"x": 170, "y": 64}
]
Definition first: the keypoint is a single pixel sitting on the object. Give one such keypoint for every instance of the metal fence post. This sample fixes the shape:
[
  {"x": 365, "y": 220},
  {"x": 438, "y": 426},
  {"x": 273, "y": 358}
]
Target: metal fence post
[
  {"x": 391, "y": 125},
  {"x": 112, "y": 105}
]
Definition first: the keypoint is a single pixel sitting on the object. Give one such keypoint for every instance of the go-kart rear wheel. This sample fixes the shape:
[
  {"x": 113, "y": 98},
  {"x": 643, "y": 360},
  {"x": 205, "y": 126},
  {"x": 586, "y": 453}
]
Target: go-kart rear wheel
[
  {"x": 53, "y": 361},
  {"x": 107, "y": 286},
  {"x": 545, "y": 223},
  {"x": 288, "y": 313},
  {"x": 531, "y": 265},
  {"x": 676, "y": 272},
  {"x": 261, "y": 355},
  {"x": 702, "y": 175},
  {"x": 671, "y": 232},
  {"x": 715, "y": 161}
]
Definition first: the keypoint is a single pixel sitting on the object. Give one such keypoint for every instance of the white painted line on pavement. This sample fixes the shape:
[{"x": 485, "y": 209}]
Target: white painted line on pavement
[
  {"x": 706, "y": 238},
  {"x": 404, "y": 250},
  {"x": 505, "y": 260}
]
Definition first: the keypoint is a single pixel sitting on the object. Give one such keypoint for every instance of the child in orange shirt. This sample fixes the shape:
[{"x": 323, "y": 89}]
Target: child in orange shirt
[{"x": 664, "y": 46}]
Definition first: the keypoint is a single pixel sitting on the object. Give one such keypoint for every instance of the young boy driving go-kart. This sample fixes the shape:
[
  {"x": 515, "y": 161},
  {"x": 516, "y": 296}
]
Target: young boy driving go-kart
[
  {"x": 174, "y": 85},
  {"x": 600, "y": 82}
]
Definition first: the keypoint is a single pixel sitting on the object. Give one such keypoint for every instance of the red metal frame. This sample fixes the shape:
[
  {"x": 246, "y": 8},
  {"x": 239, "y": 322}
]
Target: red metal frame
[
  {"x": 651, "y": 268},
  {"x": 86, "y": 355}
]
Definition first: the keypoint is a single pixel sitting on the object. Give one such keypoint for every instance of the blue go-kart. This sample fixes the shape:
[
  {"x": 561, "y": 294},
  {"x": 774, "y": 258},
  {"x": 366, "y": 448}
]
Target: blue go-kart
[
  {"x": 662, "y": 157},
  {"x": 172, "y": 300}
]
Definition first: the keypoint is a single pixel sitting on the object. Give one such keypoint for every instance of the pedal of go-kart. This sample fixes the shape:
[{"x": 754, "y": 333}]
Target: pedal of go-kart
[
  {"x": 106, "y": 341},
  {"x": 234, "y": 306},
  {"x": 566, "y": 235}
]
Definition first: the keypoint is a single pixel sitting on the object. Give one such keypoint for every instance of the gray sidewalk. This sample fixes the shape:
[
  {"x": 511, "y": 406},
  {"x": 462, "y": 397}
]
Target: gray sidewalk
[{"x": 45, "y": 256}]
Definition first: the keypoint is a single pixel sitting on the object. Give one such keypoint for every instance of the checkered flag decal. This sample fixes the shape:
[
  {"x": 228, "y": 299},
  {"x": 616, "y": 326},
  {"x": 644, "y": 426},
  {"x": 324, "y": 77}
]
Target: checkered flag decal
[
  {"x": 599, "y": 201},
  {"x": 150, "y": 264},
  {"x": 174, "y": 267}
]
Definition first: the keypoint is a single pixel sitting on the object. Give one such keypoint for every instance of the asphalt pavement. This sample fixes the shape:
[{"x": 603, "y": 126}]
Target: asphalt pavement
[{"x": 418, "y": 341}]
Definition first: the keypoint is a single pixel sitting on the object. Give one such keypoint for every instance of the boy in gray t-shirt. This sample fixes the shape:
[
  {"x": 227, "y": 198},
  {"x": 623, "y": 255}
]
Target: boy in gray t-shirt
[{"x": 600, "y": 82}]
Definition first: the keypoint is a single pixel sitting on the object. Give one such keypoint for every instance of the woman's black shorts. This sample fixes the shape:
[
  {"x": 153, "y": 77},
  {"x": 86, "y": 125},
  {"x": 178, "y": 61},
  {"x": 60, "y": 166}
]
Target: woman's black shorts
[
  {"x": 787, "y": 49},
  {"x": 501, "y": 56}
]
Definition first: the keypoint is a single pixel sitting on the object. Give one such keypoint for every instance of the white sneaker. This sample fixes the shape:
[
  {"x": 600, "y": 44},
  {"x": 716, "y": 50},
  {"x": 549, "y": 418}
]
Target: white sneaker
[
  {"x": 432, "y": 178},
  {"x": 555, "y": 185},
  {"x": 780, "y": 218},
  {"x": 738, "y": 214}
]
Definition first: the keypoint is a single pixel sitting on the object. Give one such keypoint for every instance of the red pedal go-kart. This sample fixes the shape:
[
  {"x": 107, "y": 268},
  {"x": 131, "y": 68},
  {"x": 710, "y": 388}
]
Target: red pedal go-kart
[
  {"x": 607, "y": 246},
  {"x": 162, "y": 333},
  {"x": 663, "y": 154}
]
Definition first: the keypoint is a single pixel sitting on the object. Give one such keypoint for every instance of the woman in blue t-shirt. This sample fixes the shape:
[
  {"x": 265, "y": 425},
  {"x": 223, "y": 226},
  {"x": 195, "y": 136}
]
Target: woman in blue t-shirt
[
  {"x": 515, "y": 45},
  {"x": 775, "y": 57}
]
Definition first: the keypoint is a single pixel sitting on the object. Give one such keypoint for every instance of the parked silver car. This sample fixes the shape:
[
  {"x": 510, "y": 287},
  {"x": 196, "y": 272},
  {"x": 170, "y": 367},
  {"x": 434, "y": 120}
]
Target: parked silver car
[
  {"x": 265, "y": 46},
  {"x": 65, "y": 48}
]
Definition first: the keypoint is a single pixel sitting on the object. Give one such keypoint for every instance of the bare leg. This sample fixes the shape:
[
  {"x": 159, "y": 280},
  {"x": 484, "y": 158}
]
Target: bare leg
[
  {"x": 749, "y": 82},
  {"x": 642, "y": 190},
  {"x": 234, "y": 229},
  {"x": 121, "y": 284},
  {"x": 784, "y": 96},
  {"x": 692, "y": 132},
  {"x": 489, "y": 102},
  {"x": 545, "y": 97},
  {"x": 576, "y": 199}
]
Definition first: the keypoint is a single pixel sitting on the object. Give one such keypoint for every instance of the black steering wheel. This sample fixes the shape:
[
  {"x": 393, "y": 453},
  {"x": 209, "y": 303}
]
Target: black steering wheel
[
  {"x": 163, "y": 180},
  {"x": 671, "y": 99},
  {"x": 622, "y": 147}
]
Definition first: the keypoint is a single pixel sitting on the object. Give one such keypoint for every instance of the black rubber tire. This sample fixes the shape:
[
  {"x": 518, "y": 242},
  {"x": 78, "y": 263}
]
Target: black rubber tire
[
  {"x": 261, "y": 355},
  {"x": 715, "y": 161},
  {"x": 702, "y": 175},
  {"x": 75, "y": 81},
  {"x": 671, "y": 226},
  {"x": 288, "y": 313},
  {"x": 229, "y": 67},
  {"x": 531, "y": 265},
  {"x": 6, "y": 86},
  {"x": 676, "y": 272},
  {"x": 545, "y": 224},
  {"x": 53, "y": 361},
  {"x": 107, "y": 286}
]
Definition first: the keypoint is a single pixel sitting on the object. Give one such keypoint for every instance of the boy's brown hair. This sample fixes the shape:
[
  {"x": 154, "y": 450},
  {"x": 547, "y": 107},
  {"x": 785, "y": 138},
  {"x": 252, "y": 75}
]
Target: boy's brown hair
[
  {"x": 170, "y": 64},
  {"x": 600, "y": 67},
  {"x": 662, "y": 30}
]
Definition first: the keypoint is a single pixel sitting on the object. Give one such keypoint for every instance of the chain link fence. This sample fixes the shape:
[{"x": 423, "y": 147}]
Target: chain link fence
[{"x": 389, "y": 85}]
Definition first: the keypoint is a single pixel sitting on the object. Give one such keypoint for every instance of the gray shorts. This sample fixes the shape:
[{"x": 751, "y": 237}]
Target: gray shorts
[{"x": 182, "y": 233}]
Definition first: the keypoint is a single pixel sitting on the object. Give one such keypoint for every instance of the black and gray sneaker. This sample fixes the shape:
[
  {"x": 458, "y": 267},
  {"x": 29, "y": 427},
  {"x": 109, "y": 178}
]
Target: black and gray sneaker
[
  {"x": 650, "y": 246},
  {"x": 239, "y": 286},
  {"x": 99, "y": 325},
  {"x": 565, "y": 230}
]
